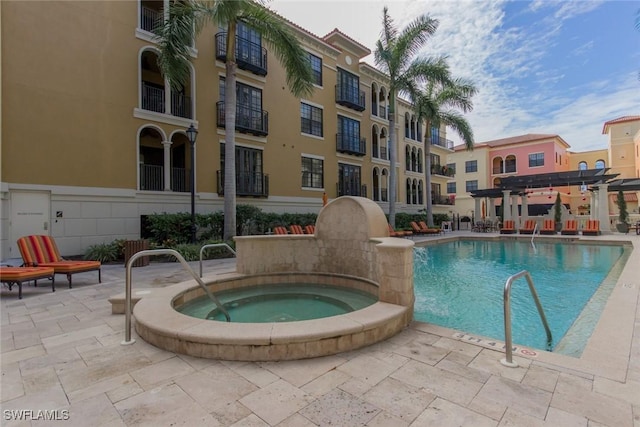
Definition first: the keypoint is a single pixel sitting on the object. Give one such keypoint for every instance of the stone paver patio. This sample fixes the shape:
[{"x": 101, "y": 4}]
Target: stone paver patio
[{"x": 62, "y": 351}]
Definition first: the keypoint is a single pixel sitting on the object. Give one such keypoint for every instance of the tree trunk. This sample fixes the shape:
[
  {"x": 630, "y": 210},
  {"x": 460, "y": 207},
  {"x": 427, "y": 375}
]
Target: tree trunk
[
  {"x": 392, "y": 159},
  {"x": 427, "y": 176},
  {"x": 229, "y": 139}
]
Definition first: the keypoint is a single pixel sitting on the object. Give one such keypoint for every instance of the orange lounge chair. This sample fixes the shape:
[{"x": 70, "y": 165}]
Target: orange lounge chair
[
  {"x": 416, "y": 228},
  {"x": 280, "y": 230},
  {"x": 42, "y": 251},
  {"x": 393, "y": 233},
  {"x": 18, "y": 275},
  {"x": 296, "y": 229},
  {"x": 426, "y": 230},
  {"x": 570, "y": 227},
  {"x": 529, "y": 226},
  {"x": 310, "y": 229},
  {"x": 548, "y": 227},
  {"x": 509, "y": 227},
  {"x": 592, "y": 228}
]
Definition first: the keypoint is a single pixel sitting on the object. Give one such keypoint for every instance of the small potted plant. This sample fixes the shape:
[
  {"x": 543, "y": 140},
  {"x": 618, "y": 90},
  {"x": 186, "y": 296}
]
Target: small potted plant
[
  {"x": 623, "y": 214},
  {"x": 557, "y": 212}
]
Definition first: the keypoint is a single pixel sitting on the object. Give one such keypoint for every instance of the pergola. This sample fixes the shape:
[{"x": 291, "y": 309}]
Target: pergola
[{"x": 599, "y": 180}]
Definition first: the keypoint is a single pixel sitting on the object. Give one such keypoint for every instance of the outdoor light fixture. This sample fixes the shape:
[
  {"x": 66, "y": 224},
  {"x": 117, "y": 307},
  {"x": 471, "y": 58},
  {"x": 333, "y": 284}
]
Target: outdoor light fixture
[{"x": 192, "y": 134}]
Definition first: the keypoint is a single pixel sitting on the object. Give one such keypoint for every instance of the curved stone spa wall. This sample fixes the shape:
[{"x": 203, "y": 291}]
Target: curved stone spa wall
[{"x": 351, "y": 238}]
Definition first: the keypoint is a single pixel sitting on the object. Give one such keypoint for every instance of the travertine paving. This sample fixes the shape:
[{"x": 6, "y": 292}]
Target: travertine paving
[{"x": 62, "y": 357}]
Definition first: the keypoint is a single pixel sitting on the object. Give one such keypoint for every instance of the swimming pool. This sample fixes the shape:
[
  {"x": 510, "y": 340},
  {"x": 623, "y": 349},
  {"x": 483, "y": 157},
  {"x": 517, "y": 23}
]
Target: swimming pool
[{"x": 460, "y": 285}]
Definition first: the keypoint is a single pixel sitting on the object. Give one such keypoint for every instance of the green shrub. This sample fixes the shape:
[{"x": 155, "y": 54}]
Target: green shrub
[{"x": 103, "y": 252}]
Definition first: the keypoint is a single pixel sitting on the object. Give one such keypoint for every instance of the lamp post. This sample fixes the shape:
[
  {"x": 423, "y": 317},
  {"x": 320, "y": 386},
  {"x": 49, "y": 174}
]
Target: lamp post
[{"x": 192, "y": 133}]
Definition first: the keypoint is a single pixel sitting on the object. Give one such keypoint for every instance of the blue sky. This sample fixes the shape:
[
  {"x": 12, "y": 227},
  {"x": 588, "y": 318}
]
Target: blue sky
[{"x": 542, "y": 66}]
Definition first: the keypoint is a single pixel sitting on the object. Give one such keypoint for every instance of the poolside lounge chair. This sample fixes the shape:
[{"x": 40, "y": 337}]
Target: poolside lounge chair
[
  {"x": 509, "y": 227},
  {"x": 426, "y": 230},
  {"x": 570, "y": 227},
  {"x": 592, "y": 228},
  {"x": 310, "y": 229},
  {"x": 400, "y": 233},
  {"x": 529, "y": 226},
  {"x": 42, "y": 251},
  {"x": 296, "y": 229},
  {"x": 548, "y": 227},
  {"x": 416, "y": 228},
  {"x": 280, "y": 230},
  {"x": 18, "y": 275}
]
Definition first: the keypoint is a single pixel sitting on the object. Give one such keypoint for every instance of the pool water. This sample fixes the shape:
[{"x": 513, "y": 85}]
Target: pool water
[
  {"x": 280, "y": 303},
  {"x": 460, "y": 285}
]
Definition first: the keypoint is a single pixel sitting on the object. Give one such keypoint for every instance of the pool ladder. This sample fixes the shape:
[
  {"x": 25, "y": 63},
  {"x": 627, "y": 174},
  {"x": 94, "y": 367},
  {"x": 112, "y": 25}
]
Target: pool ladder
[
  {"x": 508, "y": 360},
  {"x": 185, "y": 265}
]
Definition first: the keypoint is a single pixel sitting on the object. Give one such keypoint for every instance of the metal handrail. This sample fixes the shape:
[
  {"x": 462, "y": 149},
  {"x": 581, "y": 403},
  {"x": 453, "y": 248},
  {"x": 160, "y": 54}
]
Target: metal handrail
[
  {"x": 213, "y": 245},
  {"x": 508, "y": 360},
  {"x": 153, "y": 252},
  {"x": 535, "y": 228}
]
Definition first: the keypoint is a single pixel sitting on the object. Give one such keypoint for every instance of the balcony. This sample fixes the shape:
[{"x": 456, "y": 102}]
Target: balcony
[
  {"x": 249, "y": 56},
  {"x": 350, "y": 97},
  {"x": 443, "y": 200},
  {"x": 442, "y": 171},
  {"x": 351, "y": 144},
  {"x": 152, "y": 98},
  {"x": 150, "y": 19},
  {"x": 509, "y": 167},
  {"x": 248, "y": 120},
  {"x": 441, "y": 142},
  {"x": 349, "y": 189},
  {"x": 181, "y": 105},
  {"x": 248, "y": 184},
  {"x": 152, "y": 178}
]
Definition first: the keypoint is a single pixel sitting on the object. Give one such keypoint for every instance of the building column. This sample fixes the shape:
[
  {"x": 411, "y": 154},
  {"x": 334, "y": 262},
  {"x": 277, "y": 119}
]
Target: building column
[
  {"x": 593, "y": 205},
  {"x": 167, "y": 165},
  {"x": 506, "y": 204},
  {"x": 525, "y": 208},
  {"x": 514, "y": 211},
  {"x": 603, "y": 208},
  {"x": 492, "y": 209},
  {"x": 478, "y": 213}
]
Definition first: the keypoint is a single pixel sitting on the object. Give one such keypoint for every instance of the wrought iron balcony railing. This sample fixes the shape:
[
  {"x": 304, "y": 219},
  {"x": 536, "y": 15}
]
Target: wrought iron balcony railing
[
  {"x": 248, "y": 120},
  {"x": 249, "y": 55},
  {"x": 441, "y": 142},
  {"x": 152, "y": 178},
  {"x": 443, "y": 200},
  {"x": 442, "y": 170},
  {"x": 152, "y": 98},
  {"x": 150, "y": 19},
  {"x": 248, "y": 184},
  {"x": 351, "y": 144},
  {"x": 351, "y": 189},
  {"x": 350, "y": 97}
]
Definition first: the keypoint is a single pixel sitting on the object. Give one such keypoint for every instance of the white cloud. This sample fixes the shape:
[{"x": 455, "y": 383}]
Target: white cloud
[{"x": 503, "y": 60}]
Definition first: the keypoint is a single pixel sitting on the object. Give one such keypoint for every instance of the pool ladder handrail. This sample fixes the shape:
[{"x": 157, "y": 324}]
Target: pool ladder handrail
[
  {"x": 535, "y": 228},
  {"x": 508, "y": 360},
  {"x": 214, "y": 245},
  {"x": 185, "y": 265}
]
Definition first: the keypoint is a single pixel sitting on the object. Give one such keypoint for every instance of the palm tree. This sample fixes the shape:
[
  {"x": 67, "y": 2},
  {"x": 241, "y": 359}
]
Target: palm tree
[
  {"x": 437, "y": 105},
  {"x": 395, "y": 55},
  {"x": 186, "y": 20}
]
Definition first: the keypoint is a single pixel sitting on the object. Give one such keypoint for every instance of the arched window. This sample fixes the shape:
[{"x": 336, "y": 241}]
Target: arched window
[
  {"x": 374, "y": 99},
  {"x": 375, "y": 148},
  {"x": 600, "y": 164},
  {"x": 408, "y": 191},
  {"x": 376, "y": 185},
  {"x": 498, "y": 165},
  {"x": 407, "y": 158},
  {"x": 582, "y": 166},
  {"x": 407, "y": 129}
]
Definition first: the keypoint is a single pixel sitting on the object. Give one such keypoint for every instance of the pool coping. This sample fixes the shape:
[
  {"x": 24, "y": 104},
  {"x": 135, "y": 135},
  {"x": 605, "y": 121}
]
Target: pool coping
[{"x": 608, "y": 350}]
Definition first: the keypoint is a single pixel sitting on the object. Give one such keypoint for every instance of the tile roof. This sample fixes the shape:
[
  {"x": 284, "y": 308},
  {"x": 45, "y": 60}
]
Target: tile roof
[{"x": 619, "y": 120}]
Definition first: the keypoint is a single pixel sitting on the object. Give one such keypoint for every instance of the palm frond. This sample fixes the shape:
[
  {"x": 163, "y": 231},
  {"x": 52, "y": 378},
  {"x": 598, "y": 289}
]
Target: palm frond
[
  {"x": 285, "y": 46},
  {"x": 415, "y": 35}
]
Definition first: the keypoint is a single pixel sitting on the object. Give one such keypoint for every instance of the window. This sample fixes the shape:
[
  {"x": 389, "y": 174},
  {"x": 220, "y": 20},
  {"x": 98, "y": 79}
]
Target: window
[
  {"x": 471, "y": 166},
  {"x": 451, "y": 169},
  {"x": 316, "y": 69},
  {"x": 471, "y": 186},
  {"x": 312, "y": 172},
  {"x": 250, "y": 117},
  {"x": 599, "y": 164},
  {"x": 582, "y": 166},
  {"x": 349, "y": 136},
  {"x": 250, "y": 181},
  {"x": 536, "y": 159},
  {"x": 451, "y": 188},
  {"x": 349, "y": 180},
  {"x": 310, "y": 119}
]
